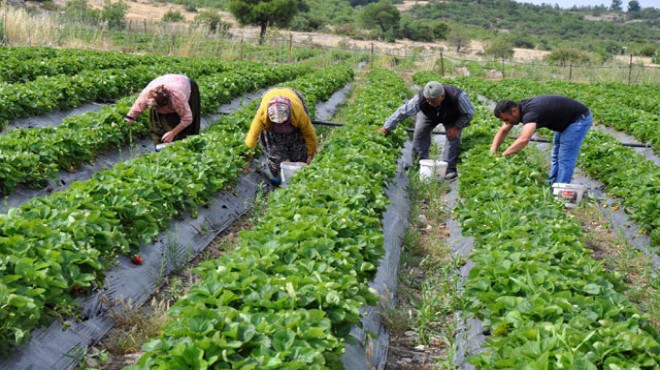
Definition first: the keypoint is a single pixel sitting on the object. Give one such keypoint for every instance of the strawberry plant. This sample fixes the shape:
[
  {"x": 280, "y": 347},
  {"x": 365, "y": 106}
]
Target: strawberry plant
[
  {"x": 545, "y": 302},
  {"x": 66, "y": 240},
  {"x": 313, "y": 253}
]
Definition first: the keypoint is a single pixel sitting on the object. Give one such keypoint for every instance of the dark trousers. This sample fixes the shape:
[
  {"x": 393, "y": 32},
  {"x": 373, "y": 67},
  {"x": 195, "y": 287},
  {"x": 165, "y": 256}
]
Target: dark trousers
[
  {"x": 160, "y": 123},
  {"x": 282, "y": 147}
]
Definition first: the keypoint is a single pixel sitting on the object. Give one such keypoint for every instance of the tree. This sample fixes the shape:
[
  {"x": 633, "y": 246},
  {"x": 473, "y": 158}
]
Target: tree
[
  {"x": 633, "y": 6},
  {"x": 616, "y": 5},
  {"x": 264, "y": 12},
  {"x": 114, "y": 14},
  {"x": 458, "y": 38},
  {"x": 382, "y": 14}
]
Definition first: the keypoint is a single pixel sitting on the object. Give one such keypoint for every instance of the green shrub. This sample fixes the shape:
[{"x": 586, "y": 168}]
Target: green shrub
[
  {"x": 499, "y": 49},
  {"x": 563, "y": 57},
  {"x": 211, "y": 19},
  {"x": 648, "y": 51},
  {"x": 79, "y": 10},
  {"x": 173, "y": 16}
]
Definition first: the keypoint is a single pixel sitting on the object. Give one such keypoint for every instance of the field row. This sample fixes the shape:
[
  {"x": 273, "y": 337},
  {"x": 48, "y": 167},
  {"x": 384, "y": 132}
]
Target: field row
[
  {"x": 288, "y": 296},
  {"x": 628, "y": 176},
  {"x": 55, "y": 246},
  {"x": 32, "y": 156},
  {"x": 545, "y": 302}
]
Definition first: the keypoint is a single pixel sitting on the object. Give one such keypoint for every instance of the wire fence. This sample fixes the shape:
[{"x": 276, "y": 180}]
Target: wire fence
[{"x": 189, "y": 40}]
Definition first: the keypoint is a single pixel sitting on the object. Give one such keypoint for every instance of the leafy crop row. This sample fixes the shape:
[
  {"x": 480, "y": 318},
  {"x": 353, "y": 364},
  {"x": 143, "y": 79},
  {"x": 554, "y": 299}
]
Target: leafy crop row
[
  {"x": 545, "y": 302},
  {"x": 629, "y": 176},
  {"x": 56, "y": 245},
  {"x": 30, "y": 52},
  {"x": 32, "y": 156},
  {"x": 46, "y": 94},
  {"x": 21, "y": 69},
  {"x": 289, "y": 294}
]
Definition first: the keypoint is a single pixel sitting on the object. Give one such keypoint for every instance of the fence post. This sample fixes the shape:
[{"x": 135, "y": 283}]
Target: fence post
[
  {"x": 290, "y": 47},
  {"x": 372, "y": 55},
  {"x": 503, "y": 76},
  {"x": 570, "y": 72},
  {"x": 442, "y": 64},
  {"x": 241, "y": 49},
  {"x": 630, "y": 69}
]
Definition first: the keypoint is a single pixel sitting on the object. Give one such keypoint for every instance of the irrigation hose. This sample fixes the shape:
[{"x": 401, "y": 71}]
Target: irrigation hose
[{"x": 335, "y": 124}]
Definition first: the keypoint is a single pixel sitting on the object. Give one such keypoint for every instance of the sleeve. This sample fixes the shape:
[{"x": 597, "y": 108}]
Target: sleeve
[
  {"x": 407, "y": 110},
  {"x": 466, "y": 111},
  {"x": 180, "y": 105},
  {"x": 256, "y": 128},
  {"x": 140, "y": 104},
  {"x": 304, "y": 124}
]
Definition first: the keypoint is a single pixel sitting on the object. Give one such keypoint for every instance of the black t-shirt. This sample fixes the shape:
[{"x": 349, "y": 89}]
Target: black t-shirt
[{"x": 555, "y": 112}]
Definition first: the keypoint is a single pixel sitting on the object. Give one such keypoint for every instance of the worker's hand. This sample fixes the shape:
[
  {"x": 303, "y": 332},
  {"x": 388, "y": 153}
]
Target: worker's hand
[
  {"x": 383, "y": 131},
  {"x": 452, "y": 133},
  {"x": 168, "y": 137},
  {"x": 309, "y": 159},
  {"x": 129, "y": 119},
  {"x": 249, "y": 156}
]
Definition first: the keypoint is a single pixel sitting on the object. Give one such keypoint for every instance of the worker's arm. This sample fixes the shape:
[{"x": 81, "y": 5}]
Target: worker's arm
[
  {"x": 256, "y": 128},
  {"x": 501, "y": 134},
  {"x": 304, "y": 124},
  {"x": 409, "y": 109},
  {"x": 522, "y": 140}
]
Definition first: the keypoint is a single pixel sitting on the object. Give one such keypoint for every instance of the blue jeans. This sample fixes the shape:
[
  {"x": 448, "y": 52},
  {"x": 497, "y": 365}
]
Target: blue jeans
[{"x": 567, "y": 147}]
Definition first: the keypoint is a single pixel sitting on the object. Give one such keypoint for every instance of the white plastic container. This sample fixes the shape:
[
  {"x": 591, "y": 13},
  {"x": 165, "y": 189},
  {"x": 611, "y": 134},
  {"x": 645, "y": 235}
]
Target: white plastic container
[
  {"x": 571, "y": 194},
  {"x": 161, "y": 146},
  {"x": 432, "y": 169},
  {"x": 288, "y": 169}
]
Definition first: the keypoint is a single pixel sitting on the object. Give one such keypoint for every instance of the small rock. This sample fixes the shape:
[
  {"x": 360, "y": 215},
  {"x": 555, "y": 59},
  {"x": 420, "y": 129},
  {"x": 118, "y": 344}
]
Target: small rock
[
  {"x": 91, "y": 363},
  {"x": 429, "y": 227},
  {"x": 420, "y": 347},
  {"x": 410, "y": 333},
  {"x": 422, "y": 219},
  {"x": 437, "y": 341}
]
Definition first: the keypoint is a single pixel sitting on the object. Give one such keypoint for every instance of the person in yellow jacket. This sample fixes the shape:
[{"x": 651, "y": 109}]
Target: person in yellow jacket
[{"x": 283, "y": 130}]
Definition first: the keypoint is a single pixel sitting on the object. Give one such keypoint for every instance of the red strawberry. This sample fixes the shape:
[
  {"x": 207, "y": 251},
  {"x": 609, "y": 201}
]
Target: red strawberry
[{"x": 137, "y": 260}]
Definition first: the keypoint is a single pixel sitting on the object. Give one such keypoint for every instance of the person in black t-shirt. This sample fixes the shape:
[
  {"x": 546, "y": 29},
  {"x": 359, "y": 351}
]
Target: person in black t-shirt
[{"x": 570, "y": 120}]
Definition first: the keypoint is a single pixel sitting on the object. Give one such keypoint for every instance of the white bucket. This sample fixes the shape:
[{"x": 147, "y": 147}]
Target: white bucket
[
  {"x": 431, "y": 169},
  {"x": 161, "y": 146},
  {"x": 288, "y": 169},
  {"x": 571, "y": 194}
]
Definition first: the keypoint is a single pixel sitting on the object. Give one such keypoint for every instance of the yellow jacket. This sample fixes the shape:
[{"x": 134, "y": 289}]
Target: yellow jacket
[{"x": 299, "y": 119}]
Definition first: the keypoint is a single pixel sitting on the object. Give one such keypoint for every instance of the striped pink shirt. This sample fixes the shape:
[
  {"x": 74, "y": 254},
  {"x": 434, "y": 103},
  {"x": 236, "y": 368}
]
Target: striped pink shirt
[{"x": 179, "y": 88}]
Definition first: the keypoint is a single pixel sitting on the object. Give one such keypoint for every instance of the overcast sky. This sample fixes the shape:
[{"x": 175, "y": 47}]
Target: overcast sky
[{"x": 570, "y": 3}]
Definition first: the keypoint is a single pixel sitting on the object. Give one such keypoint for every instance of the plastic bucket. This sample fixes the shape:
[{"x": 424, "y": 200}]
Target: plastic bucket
[
  {"x": 162, "y": 146},
  {"x": 571, "y": 194},
  {"x": 288, "y": 169},
  {"x": 431, "y": 169}
]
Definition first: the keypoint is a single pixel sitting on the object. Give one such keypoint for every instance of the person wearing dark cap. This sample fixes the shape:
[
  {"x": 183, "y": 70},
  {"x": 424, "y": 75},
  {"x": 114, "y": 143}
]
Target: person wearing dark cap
[
  {"x": 434, "y": 104},
  {"x": 283, "y": 129},
  {"x": 570, "y": 119},
  {"x": 174, "y": 108}
]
